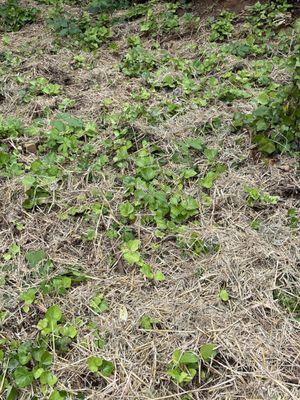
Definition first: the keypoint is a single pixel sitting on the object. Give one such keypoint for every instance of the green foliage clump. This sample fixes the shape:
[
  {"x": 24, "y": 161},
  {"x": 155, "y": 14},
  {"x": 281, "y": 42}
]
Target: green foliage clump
[
  {"x": 66, "y": 135},
  {"x": 275, "y": 123},
  {"x": 99, "y": 365},
  {"x": 31, "y": 362},
  {"x": 256, "y": 196},
  {"x": 132, "y": 255},
  {"x": 14, "y": 16},
  {"x": 41, "y": 85},
  {"x": 11, "y": 127},
  {"x": 266, "y": 16},
  {"x": 89, "y": 33},
  {"x": 162, "y": 23},
  {"x": 222, "y": 26},
  {"x": 185, "y": 365},
  {"x": 138, "y": 62},
  {"x": 287, "y": 294}
]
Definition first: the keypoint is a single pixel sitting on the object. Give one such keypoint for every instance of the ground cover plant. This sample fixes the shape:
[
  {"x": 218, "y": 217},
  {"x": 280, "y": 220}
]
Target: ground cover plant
[{"x": 149, "y": 200}]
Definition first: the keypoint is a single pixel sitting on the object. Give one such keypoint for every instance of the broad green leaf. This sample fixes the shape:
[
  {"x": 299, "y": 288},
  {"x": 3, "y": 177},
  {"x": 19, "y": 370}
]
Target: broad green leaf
[
  {"x": 189, "y": 173},
  {"x": 184, "y": 357},
  {"x": 263, "y": 98},
  {"x": 188, "y": 357},
  {"x": 223, "y": 295},
  {"x": 23, "y": 377},
  {"x": 68, "y": 331},
  {"x": 261, "y": 125},
  {"x": 44, "y": 357},
  {"x": 133, "y": 245},
  {"x": 126, "y": 209},
  {"x": 94, "y": 363},
  {"x": 132, "y": 257},
  {"x": 207, "y": 351},
  {"x": 47, "y": 378},
  {"x": 210, "y": 154},
  {"x": 42, "y": 324},
  {"x": 148, "y": 173},
  {"x": 209, "y": 179},
  {"x": 53, "y": 313},
  {"x": 159, "y": 276},
  {"x": 147, "y": 322},
  {"x": 147, "y": 271},
  {"x": 107, "y": 368},
  {"x": 34, "y": 257},
  {"x": 28, "y": 181},
  {"x": 189, "y": 203},
  {"x": 56, "y": 395},
  {"x": 29, "y": 296},
  {"x": 38, "y": 372},
  {"x": 99, "y": 304}
]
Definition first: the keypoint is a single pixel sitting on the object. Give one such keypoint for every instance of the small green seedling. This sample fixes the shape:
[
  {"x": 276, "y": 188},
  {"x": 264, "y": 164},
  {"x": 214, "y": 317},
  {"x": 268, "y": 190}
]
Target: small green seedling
[
  {"x": 133, "y": 257},
  {"x": 255, "y": 196},
  {"x": 148, "y": 323},
  {"x": 293, "y": 219},
  {"x": 127, "y": 210},
  {"x": 98, "y": 304},
  {"x": 223, "y": 295},
  {"x": 50, "y": 322},
  {"x": 35, "y": 257},
  {"x": 184, "y": 366},
  {"x": 101, "y": 366},
  {"x": 28, "y": 297},
  {"x": 12, "y": 252},
  {"x": 41, "y": 85}
]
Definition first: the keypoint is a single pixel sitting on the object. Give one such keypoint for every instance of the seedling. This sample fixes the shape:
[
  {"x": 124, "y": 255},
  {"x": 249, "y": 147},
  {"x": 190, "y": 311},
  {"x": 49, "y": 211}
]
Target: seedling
[
  {"x": 98, "y": 304},
  {"x": 223, "y": 295},
  {"x": 101, "y": 366},
  {"x": 293, "y": 219},
  {"x": 41, "y": 85},
  {"x": 132, "y": 256},
  {"x": 148, "y": 323},
  {"x": 12, "y": 252},
  {"x": 255, "y": 196},
  {"x": 185, "y": 364}
]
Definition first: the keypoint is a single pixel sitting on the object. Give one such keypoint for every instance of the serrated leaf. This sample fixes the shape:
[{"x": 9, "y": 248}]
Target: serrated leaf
[
  {"x": 56, "y": 395},
  {"x": 133, "y": 245}
]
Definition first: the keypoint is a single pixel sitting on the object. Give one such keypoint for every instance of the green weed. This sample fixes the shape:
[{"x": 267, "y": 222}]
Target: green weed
[{"x": 13, "y": 16}]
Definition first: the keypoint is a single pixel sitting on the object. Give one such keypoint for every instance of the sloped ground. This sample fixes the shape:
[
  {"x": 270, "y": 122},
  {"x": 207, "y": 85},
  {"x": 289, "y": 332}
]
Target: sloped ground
[{"x": 228, "y": 265}]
